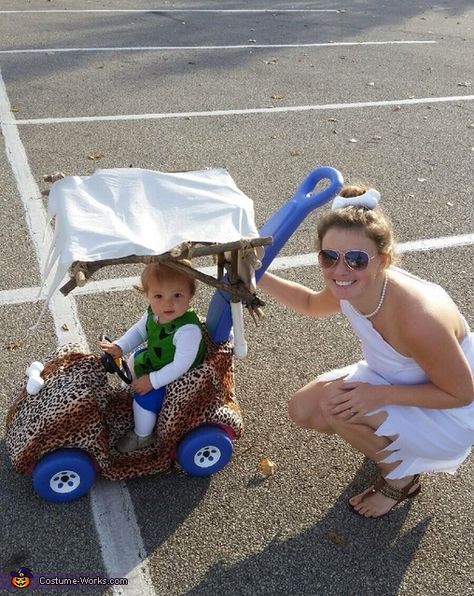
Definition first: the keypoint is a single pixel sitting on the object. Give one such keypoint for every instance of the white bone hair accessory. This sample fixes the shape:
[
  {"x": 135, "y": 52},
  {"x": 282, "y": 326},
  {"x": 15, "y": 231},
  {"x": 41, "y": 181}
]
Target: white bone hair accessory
[
  {"x": 35, "y": 381},
  {"x": 369, "y": 200}
]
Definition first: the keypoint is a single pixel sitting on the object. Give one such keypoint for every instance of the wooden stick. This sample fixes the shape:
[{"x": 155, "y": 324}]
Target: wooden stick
[
  {"x": 237, "y": 291},
  {"x": 186, "y": 250}
]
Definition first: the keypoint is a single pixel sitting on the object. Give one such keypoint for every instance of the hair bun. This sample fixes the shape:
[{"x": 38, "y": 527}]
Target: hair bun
[{"x": 369, "y": 200}]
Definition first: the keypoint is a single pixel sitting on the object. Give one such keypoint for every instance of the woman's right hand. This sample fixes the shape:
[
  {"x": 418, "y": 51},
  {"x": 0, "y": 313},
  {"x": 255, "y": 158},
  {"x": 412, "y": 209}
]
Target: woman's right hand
[{"x": 110, "y": 348}]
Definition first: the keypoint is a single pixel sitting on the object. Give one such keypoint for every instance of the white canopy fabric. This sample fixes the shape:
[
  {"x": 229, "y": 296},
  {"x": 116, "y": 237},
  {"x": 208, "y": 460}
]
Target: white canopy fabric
[{"x": 130, "y": 211}]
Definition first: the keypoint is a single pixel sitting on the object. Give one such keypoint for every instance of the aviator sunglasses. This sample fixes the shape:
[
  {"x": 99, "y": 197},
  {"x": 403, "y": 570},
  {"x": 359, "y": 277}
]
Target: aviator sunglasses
[{"x": 356, "y": 260}]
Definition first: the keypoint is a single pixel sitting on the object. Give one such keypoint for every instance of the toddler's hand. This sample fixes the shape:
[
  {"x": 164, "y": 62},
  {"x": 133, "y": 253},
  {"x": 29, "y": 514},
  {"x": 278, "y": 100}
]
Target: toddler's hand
[
  {"x": 142, "y": 384},
  {"x": 110, "y": 348}
]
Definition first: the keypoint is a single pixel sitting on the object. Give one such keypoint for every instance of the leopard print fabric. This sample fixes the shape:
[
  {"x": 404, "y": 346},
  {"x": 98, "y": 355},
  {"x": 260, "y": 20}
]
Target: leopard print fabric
[{"x": 77, "y": 407}]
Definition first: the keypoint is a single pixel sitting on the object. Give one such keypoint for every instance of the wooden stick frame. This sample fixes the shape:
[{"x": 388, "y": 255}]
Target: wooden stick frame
[{"x": 82, "y": 271}]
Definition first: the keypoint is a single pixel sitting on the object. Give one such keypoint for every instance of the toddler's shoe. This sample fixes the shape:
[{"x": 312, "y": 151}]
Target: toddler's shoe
[{"x": 131, "y": 442}]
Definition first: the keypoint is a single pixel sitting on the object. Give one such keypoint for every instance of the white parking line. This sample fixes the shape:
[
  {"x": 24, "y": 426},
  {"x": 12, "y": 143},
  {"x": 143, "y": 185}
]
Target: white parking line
[
  {"x": 122, "y": 284},
  {"x": 247, "y": 111},
  {"x": 19, "y": 296},
  {"x": 178, "y": 10},
  {"x": 307, "y": 260},
  {"x": 120, "y": 540},
  {"x": 251, "y": 46}
]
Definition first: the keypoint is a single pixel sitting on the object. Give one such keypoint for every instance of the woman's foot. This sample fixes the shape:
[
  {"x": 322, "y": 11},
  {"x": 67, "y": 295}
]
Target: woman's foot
[{"x": 382, "y": 497}]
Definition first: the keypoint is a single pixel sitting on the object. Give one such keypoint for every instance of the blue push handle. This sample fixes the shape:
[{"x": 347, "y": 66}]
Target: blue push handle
[
  {"x": 286, "y": 220},
  {"x": 280, "y": 227}
]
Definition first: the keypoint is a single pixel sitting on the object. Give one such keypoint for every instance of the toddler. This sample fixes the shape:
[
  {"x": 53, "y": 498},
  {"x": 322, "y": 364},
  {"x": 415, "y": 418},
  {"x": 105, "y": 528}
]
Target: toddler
[{"x": 172, "y": 331}]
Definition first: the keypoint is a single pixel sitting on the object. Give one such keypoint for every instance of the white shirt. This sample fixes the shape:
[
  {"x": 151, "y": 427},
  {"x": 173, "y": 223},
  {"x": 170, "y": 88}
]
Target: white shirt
[{"x": 186, "y": 340}]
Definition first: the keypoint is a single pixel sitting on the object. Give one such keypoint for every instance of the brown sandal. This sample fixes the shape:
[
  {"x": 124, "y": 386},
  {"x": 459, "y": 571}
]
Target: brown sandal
[{"x": 391, "y": 492}]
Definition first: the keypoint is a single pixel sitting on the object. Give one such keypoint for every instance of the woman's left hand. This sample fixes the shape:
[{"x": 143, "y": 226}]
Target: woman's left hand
[{"x": 355, "y": 400}]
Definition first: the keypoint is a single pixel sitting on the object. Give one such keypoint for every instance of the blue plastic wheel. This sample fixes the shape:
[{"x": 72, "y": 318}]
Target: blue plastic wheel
[
  {"x": 205, "y": 450},
  {"x": 64, "y": 475}
]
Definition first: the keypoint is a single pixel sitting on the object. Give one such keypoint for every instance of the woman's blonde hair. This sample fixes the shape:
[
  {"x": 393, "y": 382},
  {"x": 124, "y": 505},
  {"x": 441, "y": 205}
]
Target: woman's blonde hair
[
  {"x": 373, "y": 222},
  {"x": 161, "y": 272}
]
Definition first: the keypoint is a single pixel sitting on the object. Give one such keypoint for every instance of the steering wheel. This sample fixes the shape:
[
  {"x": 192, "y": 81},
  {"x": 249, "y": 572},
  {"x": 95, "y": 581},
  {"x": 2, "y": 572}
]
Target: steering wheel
[{"x": 115, "y": 365}]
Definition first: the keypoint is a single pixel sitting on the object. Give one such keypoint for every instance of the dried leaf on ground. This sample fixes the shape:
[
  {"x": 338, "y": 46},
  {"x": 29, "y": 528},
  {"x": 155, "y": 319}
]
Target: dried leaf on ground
[
  {"x": 94, "y": 156},
  {"x": 336, "y": 538},
  {"x": 267, "y": 467},
  {"x": 277, "y": 96},
  {"x": 15, "y": 344}
]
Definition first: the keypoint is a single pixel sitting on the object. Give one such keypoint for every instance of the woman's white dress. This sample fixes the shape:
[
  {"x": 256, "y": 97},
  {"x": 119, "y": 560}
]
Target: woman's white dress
[{"x": 428, "y": 440}]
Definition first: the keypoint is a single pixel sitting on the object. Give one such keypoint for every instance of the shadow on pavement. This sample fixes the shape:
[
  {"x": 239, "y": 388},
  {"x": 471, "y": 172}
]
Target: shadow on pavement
[
  {"x": 342, "y": 554},
  {"x": 155, "y": 28}
]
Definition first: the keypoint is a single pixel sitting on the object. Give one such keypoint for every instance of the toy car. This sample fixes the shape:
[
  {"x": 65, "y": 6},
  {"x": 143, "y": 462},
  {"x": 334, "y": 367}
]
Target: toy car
[{"x": 66, "y": 416}]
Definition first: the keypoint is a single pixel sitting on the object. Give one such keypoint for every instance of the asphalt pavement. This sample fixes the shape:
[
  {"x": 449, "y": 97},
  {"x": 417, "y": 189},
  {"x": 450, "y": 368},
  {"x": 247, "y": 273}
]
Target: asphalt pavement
[{"x": 383, "y": 93}]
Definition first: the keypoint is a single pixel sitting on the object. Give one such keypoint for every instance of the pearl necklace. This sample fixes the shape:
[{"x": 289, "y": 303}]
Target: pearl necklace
[{"x": 379, "y": 305}]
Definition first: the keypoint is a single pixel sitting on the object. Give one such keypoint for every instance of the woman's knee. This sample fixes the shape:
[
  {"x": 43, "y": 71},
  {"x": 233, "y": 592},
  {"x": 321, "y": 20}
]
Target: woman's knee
[{"x": 304, "y": 409}]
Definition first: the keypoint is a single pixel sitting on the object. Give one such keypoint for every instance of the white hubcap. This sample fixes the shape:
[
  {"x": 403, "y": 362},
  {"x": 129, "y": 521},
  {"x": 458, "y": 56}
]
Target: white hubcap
[
  {"x": 65, "y": 481},
  {"x": 207, "y": 456}
]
